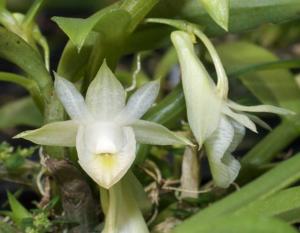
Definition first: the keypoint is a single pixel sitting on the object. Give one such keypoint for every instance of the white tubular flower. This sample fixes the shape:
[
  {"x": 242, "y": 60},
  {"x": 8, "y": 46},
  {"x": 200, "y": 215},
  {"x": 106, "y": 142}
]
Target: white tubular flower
[
  {"x": 104, "y": 129},
  {"x": 216, "y": 122}
]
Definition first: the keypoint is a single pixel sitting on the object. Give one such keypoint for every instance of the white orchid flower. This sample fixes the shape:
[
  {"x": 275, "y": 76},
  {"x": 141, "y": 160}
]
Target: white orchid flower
[
  {"x": 104, "y": 129},
  {"x": 215, "y": 121}
]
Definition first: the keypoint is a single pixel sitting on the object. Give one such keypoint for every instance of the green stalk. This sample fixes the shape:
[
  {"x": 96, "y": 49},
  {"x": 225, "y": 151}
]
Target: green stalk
[{"x": 30, "y": 85}]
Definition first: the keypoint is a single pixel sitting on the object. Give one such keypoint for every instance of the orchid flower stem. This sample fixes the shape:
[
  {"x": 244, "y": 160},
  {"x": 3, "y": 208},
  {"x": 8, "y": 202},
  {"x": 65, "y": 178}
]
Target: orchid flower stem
[
  {"x": 222, "y": 84},
  {"x": 135, "y": 73}
]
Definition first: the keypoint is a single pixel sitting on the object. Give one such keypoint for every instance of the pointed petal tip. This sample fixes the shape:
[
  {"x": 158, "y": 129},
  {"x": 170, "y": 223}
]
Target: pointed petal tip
[
  {"x": 253, "y": 128},
  {"x": 56, "y": 75},
  {"x": 18, "y": 136}
]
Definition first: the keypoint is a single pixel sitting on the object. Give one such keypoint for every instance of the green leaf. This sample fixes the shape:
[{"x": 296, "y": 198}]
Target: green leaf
[
  {"x": 111, "y": 22},
  {"x": 20, "y": 112},
  {"x": 167, "y": 113},
  {"x": 166, "y": 64},
  {"x": 281, "y": 176},
  {"x": 245, "y": 224},
  {"x": 17, "y": 51},
  {"x": 71, "y": 56},
  {"x": 282, "y": 204},
  {"x": 244, "y": 15},
  {"x": 32, "y": 12},
  {"x": 276, "y": 87},
  {"x": 273, "y": 65},
  {"x": 218, "y": 10},
  {"x": 137, "y": 10},
  {"x": 19, "y": 213},
  {"x": 271, "y": 145}
]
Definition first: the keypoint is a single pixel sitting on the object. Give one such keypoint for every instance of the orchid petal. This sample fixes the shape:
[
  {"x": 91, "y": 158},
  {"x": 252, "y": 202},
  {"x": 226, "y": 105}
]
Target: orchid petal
[
  {"x": 106, "y": 169},
  {"x": 139, "y": 103},
  {"x": 259, "y": 121},
  {"x": 240, "y": 118},
  {"x": 259, "y": 108},
  {"x": 202, "y": 102},
  {"x": 147, "y": 132},
  {"x": 239, "y": 133},
  {"x": 62, "y": 133},
  {"x": 71, "y": 99},
  {"x": 105, "y": 96},
  {"x": 224, "y": 167}
]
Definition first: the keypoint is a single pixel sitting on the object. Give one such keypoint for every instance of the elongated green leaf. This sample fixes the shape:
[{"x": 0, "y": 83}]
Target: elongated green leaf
[
  {"x": 269, "y": 86},
  {"x": 165, "y": 65},
  {"x": 111, "y": 22},
  {"x": 32, "y": 12},
  {"x": 168, "y": 110},
  {"x": 18, "y": 211},
  {"x": 281, "y": 204},
  {"x": 20, "y": 112},
  {"x": 71, "y": 56},
  {"x": 244, "y": 15},
  {"x": 17, "y": 51},
  {"x": 167, "y": 113},
  {"x": 268, "y": 184},
  {"x": 138, "y": 10},
  {"x": 246, "y": 224},
  {"x": 218, "y": 10},
  {"x": 273, "y": 65}
]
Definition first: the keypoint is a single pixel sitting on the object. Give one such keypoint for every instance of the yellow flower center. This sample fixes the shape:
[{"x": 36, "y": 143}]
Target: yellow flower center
[{"x": 107, "y": 160}]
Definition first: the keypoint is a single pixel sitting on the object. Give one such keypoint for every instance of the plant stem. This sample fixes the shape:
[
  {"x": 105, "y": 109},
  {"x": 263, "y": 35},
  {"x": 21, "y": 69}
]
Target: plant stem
[{"x": 78, "y": 202}]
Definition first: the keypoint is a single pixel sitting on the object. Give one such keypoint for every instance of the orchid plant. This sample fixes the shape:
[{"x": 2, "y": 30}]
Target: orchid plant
[{"x": 130, "y": 139}]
